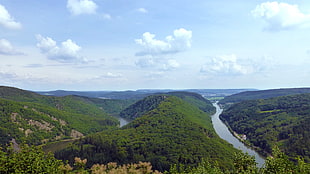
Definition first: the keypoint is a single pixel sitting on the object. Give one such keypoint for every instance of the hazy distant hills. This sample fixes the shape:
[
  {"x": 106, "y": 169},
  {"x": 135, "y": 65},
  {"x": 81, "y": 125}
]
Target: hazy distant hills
[
  {"x": 166, "y": 130},
  {"x": 139, "y": 94},
  {"x": 262, "y": 94},
  {"x": 283, "y": 121}
]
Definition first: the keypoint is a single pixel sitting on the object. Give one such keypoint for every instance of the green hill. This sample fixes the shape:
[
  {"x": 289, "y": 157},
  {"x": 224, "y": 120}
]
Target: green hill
[
  {"x": 172, "y": 132},
  {"x": 151, "y": 102},
  {"x": 35, "y": 119},
  {"x": 195, "y": 99},
  {"x": 262, "y": 94},
  {"x": 282, "y": 121}
]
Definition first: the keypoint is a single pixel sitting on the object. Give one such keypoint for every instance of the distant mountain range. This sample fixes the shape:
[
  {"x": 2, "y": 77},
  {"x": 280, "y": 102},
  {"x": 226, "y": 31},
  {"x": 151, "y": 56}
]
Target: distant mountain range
[
  {"x": 139, "y": 94},
  {"x": 262, "y": 94}
]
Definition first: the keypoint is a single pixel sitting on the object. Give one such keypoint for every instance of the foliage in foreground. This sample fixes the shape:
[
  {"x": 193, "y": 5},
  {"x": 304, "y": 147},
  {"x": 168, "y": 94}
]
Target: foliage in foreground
[{"x": 31, "y": 159}]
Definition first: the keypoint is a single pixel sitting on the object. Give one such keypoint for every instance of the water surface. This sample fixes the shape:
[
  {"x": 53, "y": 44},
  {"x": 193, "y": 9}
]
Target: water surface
[{"x": 222, "y": 130}]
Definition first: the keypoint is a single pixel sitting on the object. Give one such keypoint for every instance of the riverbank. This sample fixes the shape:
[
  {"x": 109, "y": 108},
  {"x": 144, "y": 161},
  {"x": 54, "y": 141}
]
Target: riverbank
[
  {"x": 260, "y": 151},
  {"x": 225, "y": 133}
]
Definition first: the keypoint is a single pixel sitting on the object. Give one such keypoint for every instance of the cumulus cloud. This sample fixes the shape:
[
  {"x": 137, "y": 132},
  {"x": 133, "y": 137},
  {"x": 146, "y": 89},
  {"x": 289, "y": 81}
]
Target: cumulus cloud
[
  {"x": 7, "y": 20},
  {"x": 110, "y": 75},
  {"x": 78, "y": 7},
  {"x": 158, "y": 63},
  {"x": 6, "y": 48},
  {"x": 107, "y": 16},
  {"x": 66, "y": 52},
  {"x": 180, "y": 41},
  {"x": 145, "y": 62},
  {"x": 142, "y": 10},
  {"x": 281, "y": 16},
  {"x": 226, "y": 65},
  {"x": 171, "y": 65},
  {"x": 154, "y": 75}
]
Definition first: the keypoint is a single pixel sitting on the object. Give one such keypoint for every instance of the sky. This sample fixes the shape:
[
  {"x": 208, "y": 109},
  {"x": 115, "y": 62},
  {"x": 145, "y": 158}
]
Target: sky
[{"x": 95, "y": 45}]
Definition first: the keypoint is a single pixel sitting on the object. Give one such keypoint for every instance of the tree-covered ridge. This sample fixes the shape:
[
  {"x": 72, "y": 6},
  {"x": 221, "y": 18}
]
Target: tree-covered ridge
[
  {"x": 73, "y": 104},
  {"x": 149, "y": 103},
  {"x": 195, "y": 99},
  {"x": 262, "y": 94},
  {"x": 284, "y": 121},
  {"x": 30, "y": 117},
  {"x": 112, "y": 106},
  {"x": 35, "y": 124},
  {"x": 174, "y": 132},
  {"x": 142, "y": 106}
]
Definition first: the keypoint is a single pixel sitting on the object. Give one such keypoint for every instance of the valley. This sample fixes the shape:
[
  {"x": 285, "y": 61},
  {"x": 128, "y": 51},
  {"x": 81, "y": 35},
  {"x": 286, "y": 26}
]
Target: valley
[{"x": 166, "y": 128}]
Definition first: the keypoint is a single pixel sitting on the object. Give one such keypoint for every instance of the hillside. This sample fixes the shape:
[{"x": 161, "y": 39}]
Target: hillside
[
  {"x": 262, "y": 94},
  {"x": 173, "y": 132},
  {"x": 151, "y": 102},
  {"x": 195, "y": 99},
  {"x": 74, "y": 104},
  {"x": 282, "y": 121},
  {"x": 34, "y": 119}
]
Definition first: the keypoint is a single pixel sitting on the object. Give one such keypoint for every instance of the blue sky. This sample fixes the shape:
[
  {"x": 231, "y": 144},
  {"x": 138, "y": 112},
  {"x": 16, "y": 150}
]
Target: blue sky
[{"x": 122, "y": 45}]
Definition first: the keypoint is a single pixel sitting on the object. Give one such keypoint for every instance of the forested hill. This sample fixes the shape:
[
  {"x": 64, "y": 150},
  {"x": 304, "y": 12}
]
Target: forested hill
[
  {"x": 262, "y": 94},
  {"x": 73, "y": 104},
  {"x": 172, "y": 132},
  {"x": 282, "y": 121},
  {"x": 151, "y": 102},
  {"x": 34, "y": 119}
]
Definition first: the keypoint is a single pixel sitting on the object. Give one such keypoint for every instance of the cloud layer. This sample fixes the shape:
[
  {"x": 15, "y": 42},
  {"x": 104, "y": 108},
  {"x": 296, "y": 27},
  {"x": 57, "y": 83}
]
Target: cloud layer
[
  {"x": 78, "y": 7},
  {"x": 6, "y": 48},
  {"x": 142, "y": 10},
  {"x": 226, "y": 65},
  {"x": 281, "y": 16},
  {"x": 180, "y": 41},
  {"x": 67, "y": 52},
  {"x": 7, "y": 20}
]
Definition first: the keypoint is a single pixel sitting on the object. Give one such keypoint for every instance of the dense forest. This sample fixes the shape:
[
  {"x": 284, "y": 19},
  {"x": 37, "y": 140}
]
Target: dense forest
[
  {"x": 34, "y": 119},
  {"x": 284, "y": 121},
  {"x": 172, "y": 132}
]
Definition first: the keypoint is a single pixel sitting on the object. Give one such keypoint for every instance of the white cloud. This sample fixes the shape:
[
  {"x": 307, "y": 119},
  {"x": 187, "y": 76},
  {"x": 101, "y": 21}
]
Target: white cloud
[
  {"x": 158, "y": 64},
  {"x": 171, "y": 65},
  {"x": 78, "y": 7},
  {"x": 107, "y": 16},
  {"x": 6, "y": 48},
  {"x": 279, "y": 16},
  {"x": 142, "y": 10},
  {"x": 145, "y": 62},
  {"x": 226, "y": 65},
  {"x": 154, "y": 75},
  {"x": 180, "y": 41},
  {"x": 7, "y": 20},
  {"x": 111, "y": 75},
  {"x": 67, "y": 52}
]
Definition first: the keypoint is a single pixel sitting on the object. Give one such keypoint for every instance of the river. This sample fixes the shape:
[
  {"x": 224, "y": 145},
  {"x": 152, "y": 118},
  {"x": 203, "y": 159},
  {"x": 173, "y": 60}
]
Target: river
[
  {"x": 222, "y": 130},
  {"x": 122, "y": 121}
]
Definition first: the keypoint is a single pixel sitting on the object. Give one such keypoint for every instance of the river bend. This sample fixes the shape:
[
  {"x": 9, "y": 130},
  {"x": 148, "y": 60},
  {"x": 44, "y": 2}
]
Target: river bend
[{"x": 222, "y": 130}]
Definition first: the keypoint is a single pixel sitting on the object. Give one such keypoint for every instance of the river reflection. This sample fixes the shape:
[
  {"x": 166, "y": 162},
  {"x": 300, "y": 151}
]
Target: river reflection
[
  {"x": 122, "y": 121},
  {"x": 222, "y": 130}
]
